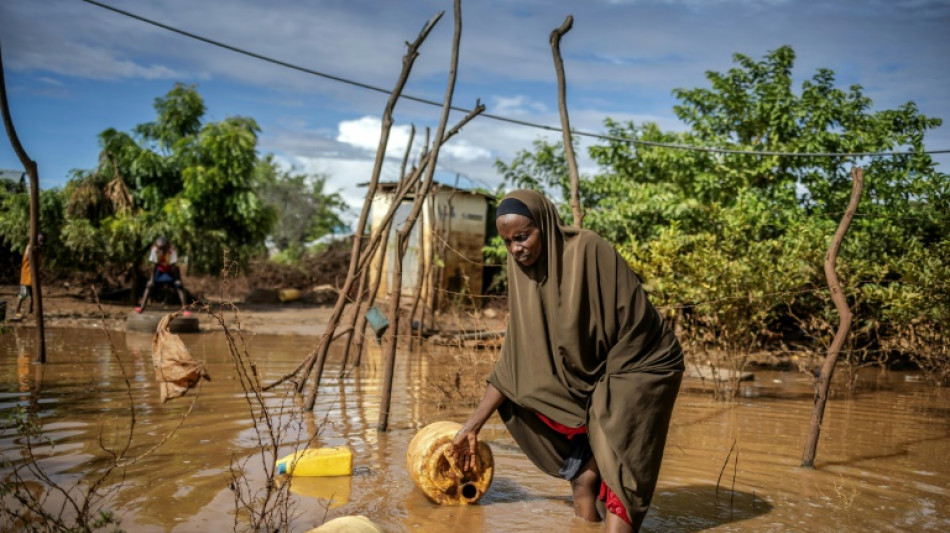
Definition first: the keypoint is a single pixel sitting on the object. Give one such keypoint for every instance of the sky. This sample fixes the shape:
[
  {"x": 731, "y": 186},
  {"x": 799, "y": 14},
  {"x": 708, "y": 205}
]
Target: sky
[{"x": 74, "y": 69}]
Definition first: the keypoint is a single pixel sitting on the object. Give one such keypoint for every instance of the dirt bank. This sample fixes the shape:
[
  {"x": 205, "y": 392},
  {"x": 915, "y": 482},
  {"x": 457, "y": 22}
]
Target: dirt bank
[{"x": 65, "y": 306}]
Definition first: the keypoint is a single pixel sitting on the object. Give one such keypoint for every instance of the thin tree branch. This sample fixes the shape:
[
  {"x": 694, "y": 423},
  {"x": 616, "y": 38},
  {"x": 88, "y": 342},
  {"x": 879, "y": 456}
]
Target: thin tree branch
[
  {"x": 844, "y": 327},
  {"x": 565, "y": 121}
]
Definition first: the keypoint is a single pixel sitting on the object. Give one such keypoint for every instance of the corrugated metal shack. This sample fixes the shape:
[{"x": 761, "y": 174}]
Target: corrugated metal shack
[{"x": 448, "y": 237}]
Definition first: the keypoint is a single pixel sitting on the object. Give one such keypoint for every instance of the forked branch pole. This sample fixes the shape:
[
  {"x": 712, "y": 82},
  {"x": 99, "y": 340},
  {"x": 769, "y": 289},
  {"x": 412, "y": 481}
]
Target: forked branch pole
[
  {"x": 318, "y": 356},
  {"x": 420, "y": 276},
  {"x": 402, "y": 238},
  {"x": 366, "y": 293},
  {"x": 30, "y": 166},
  {"x": 844, "y": 327},
  {"x": 565, "y": 121}
]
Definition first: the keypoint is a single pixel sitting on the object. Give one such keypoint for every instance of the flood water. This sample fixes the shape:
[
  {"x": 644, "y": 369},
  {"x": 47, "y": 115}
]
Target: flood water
[{"x": 883, "y": 461}]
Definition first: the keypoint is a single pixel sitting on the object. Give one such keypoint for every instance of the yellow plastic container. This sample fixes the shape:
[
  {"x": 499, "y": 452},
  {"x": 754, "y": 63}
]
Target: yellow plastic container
[
  {"x": 329, "y": 461},
  {"x": 434, "y": 471},
  {"x": 288, "y": 295}
]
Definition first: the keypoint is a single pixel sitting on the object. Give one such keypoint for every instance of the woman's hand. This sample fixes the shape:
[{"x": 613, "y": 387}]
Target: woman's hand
[
  {"x": 465, "y": 443},
  {"x": 465, "y": 448}
]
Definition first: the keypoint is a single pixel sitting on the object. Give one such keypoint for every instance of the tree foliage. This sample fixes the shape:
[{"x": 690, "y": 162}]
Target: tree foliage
[
  {"x": 201, "y": 184},
  {"x": 306, "y": 211},
  {"x": 732, "y": 245}
]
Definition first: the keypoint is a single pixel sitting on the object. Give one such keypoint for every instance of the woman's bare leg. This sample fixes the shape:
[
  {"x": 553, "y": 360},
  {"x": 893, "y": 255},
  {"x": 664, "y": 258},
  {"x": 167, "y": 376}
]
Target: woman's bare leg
[
  {"x": 615, "y": 524},
  {"x": 586, "y": 488}
]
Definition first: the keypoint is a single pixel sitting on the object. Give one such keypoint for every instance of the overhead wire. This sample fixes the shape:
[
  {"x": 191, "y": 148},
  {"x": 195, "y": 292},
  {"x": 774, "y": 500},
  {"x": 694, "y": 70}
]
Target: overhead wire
[
  {"x": 499, "y": 117},
  {"x": 526, "y": 123}
]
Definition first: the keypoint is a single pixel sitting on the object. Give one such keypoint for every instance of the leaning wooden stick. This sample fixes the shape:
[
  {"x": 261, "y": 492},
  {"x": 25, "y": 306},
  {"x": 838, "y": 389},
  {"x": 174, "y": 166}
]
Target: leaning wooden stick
[
  {"x": 366, "y": 294},
  {"x": 403, "y": 238},
  {"x": 33, "y": 172},
  {"x": 565, "y": 122},
  {"x": 319, "y": 355},
  {"x": 844, "y": 327},
  {"x": 407, "y": 63},
  {"x": 364, "y": 258}
]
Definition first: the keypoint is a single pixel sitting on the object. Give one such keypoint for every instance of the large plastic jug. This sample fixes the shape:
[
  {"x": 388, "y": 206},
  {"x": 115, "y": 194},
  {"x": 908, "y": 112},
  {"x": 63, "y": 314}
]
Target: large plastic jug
[{"x": 434, "y": 471}]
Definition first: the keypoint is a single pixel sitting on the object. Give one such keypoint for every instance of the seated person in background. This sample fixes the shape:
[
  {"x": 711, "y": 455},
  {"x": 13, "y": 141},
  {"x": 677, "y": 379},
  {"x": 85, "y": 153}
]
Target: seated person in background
[
  {"x": 26, "y": 277},
  {"x": 165, "y": 259}
]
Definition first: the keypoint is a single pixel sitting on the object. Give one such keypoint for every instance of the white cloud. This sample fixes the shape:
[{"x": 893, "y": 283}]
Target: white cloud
[
  {"x": 516, "y": 105},
  {"x": 463, "y": 150},
  {"x": 346, "y": 175},
  {"x": 364, "y": 133},
  {"x": 79, "y": 40},
  {"x": 97, "y": 63}
]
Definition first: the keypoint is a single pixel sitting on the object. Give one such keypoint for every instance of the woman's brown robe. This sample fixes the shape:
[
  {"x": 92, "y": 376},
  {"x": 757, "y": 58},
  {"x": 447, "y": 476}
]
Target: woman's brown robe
[{"x": 585, "y": 347}]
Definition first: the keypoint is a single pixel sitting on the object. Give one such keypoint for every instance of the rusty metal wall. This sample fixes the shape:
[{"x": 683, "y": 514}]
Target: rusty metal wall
[{"x": 460, "y": 214}]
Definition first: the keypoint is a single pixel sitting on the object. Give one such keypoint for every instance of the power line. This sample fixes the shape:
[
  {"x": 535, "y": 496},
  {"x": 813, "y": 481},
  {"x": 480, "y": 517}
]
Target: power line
[{"x": 501, "y": 118}]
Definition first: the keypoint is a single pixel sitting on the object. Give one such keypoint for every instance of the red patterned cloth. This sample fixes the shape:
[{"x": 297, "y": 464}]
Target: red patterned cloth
[
  {"x": 611, "y": 501},
  {"x": 561, "y": 428}
]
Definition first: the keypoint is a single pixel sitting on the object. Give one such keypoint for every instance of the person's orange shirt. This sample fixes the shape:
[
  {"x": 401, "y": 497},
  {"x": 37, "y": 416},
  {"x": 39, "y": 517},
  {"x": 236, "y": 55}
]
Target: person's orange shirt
[{"x": 26, "y": 275}]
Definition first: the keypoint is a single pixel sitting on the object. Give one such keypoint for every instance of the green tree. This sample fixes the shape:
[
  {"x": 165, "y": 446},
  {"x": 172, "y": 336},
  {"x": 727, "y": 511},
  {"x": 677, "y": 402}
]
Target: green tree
[
  {"x": 733, "y": 243},
  {"x": 177, "y": 176},
  {"x": 306, "y": 211},
  {"x": 15, "y": 227}
]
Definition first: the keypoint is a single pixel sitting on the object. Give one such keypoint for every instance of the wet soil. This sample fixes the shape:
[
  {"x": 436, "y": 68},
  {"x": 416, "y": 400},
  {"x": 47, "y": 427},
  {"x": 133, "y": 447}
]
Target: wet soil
[
  {"x": 70, "y": 308},
  {"x": 238, "y": 302}
]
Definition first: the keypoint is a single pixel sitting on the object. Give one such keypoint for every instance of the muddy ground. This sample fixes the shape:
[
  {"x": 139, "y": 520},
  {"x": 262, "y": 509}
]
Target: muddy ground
[
  {"x": 257, "y": 310},
  {"x": 269, "y": 297}
]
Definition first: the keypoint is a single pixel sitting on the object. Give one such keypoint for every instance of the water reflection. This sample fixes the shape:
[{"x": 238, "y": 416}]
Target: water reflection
[
  {"x": 334, "y": 491},
  {"x": 709, "y": 507},
  {"x": 883, "y": 461}
]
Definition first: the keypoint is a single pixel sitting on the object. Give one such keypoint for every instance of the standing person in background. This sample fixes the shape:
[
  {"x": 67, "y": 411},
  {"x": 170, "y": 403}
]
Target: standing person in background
[
  {"x": 26, "y": 277},
  {"x": 589, "y": 371},
  {"x": 165, "y": 271}
]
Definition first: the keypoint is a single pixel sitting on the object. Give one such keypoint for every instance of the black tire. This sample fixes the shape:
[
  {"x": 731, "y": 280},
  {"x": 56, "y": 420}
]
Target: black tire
[
  {"x": 147, "y": 322},
  {"x": 184, "y": 325}
]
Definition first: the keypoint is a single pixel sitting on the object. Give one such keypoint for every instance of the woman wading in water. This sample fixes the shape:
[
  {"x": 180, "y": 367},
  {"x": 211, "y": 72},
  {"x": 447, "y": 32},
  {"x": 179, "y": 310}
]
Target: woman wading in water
[{"x": 588, "y": 372}]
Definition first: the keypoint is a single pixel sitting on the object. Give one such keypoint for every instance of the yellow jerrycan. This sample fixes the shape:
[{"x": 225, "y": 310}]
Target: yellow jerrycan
[
  {"x": 435, "y": 472},
  {"x": 329, "y": 461},
  {"x": 288, "y": 295}
]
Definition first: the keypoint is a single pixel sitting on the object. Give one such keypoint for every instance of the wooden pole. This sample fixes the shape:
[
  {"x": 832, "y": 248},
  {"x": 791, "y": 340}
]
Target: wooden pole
[
  {"x": 363, "y": 294},
  {"x": 355, "y": 311},
  {"x": 33, "y": 248},
  {"x": 407, "y": 62},
  {"x": 399, "y": 195},
  {"x": 429, "y": 261},
  {"x": 844, "y": 327},
  {"x": 318, "y": 355},
  {"x": 402, "y": 238},
  {"x": 420, "y": 270},
  {"x": 377, "y": 278},
  {"x": 368, "y": 252},
  {"x": 565, "y": 121}
]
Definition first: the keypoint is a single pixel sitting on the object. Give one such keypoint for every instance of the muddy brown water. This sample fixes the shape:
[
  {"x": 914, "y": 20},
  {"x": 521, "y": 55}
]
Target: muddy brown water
[{"x": 882, "y": 461}]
